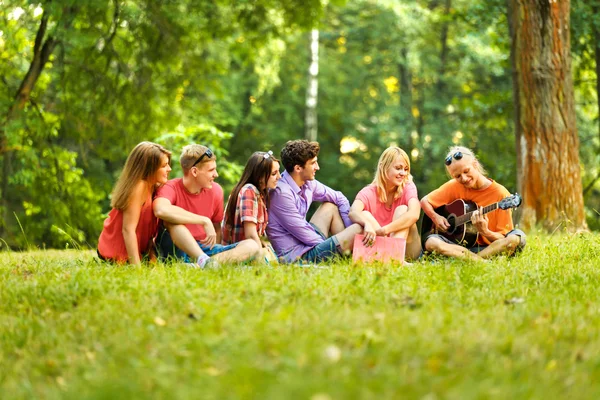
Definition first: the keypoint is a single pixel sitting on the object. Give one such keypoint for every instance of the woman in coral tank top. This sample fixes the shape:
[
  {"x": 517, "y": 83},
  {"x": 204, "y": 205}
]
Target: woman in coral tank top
[{"x": 131, "y": 225}]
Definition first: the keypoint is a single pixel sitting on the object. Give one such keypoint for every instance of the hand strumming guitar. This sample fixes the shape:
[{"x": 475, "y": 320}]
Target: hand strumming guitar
[{"x": 440, "y": 222}]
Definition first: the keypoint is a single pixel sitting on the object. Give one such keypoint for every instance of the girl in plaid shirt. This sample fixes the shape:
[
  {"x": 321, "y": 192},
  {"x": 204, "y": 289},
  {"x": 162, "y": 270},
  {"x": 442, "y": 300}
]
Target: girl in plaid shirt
[{"x": 246, "y": 215}]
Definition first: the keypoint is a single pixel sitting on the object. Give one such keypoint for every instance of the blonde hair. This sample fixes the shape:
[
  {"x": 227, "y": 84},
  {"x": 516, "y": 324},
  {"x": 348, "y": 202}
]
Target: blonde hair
[
  {"x": 465, "y": 152},
  {"x": 386, "y": 160},
  {"x": 143, "y": 161},
  {"x": 191, "y": 153}
]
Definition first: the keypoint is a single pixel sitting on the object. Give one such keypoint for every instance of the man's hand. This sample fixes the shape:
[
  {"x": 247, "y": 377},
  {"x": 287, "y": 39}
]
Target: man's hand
[
  {"x": 480, "y": 221},
  {"x": 441, "y": 223},
  {"x": 211, "y": 236}
]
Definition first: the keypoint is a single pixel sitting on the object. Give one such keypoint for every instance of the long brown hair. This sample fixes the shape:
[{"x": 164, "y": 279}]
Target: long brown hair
[
  {"x": 258, "y": 170},
  {"x": 143, "y": 161}
]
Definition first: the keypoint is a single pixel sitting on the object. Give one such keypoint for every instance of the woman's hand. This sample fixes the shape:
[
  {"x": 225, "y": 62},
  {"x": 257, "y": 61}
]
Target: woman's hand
[{"x": 369, "y": 235}]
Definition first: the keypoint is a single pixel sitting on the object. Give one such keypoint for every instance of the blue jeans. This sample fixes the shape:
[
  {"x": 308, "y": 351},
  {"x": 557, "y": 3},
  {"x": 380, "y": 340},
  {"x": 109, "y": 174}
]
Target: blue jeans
[
  {"x": 325, "y": 250},
  {"x": 167, "y": 248}
]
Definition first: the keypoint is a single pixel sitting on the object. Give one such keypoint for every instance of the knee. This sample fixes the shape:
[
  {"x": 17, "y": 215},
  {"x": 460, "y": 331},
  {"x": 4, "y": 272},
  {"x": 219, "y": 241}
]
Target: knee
[
  {"x": 432, "y": 244},
  {"x": 329, "y": 207},
  {"x": 514, "y": 243},
  {"x": 402, "y": 209}
]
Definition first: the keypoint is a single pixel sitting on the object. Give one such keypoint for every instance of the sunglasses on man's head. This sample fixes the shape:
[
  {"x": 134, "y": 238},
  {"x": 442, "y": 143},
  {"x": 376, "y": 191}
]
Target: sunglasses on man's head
[
  {"x": 207, "y": 153},
  {"x": 457, "y": 156}
]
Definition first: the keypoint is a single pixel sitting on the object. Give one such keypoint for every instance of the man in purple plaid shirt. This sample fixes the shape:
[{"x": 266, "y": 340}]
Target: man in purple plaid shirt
[{"x": 294, "y": 238}]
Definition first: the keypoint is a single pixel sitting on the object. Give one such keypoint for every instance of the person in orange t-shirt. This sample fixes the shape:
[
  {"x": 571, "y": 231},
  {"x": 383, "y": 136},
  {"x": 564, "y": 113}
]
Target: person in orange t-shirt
[
  {"x": 470, "y": 183},
  {"x": 131, "y": 226}
]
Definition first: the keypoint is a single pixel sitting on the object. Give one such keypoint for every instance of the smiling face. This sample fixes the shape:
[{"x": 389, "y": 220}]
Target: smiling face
[
  {"x": 161, "y": 176},
  {"x": 308, "y": 172},
  {"x": 274, "y": 176},
  {"x": 465, "y": 172},
  {"x": 205, "y": 174},
  {"x": 397, "y": 173}
]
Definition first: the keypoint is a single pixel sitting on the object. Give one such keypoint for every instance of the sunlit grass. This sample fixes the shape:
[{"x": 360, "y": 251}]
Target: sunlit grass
[{"x": 523, "y": 327}]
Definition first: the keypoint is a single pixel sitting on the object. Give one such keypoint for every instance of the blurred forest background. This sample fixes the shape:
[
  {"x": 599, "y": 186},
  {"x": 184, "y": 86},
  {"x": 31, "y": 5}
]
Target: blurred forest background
[{"x": 82, "y": 82}]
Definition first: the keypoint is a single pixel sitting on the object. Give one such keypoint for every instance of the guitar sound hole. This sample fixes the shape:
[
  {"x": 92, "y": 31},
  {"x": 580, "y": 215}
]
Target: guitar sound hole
[{"x": 452, "y": 222}]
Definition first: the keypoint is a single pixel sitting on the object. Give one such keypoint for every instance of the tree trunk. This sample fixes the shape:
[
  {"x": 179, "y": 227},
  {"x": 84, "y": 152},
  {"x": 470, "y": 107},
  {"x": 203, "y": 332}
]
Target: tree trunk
[
  {"x": 441, "y": 84},
  {"x": 312, "y": 91},
  {"x": 406, "y": 98},
  {"x": 548, "y": 157}
]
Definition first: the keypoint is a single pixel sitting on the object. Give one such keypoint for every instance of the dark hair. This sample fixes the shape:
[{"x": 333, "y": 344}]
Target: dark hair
[
  {"x": 258, "y": 168},
  {"x": 298, "y": 152}
]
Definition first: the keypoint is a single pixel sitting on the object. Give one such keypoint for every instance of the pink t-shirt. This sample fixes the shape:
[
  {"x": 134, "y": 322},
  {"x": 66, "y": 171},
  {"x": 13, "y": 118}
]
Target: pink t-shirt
[
  {"x": 384, "y": 215},
  {"x": 208, "y": 203}
]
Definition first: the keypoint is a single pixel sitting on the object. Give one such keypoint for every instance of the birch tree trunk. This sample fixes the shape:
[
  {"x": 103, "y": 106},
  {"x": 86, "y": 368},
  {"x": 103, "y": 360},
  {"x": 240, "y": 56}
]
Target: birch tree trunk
[
  {"x": 547, "y": 142},
  {"x": 312, "y": 91}
]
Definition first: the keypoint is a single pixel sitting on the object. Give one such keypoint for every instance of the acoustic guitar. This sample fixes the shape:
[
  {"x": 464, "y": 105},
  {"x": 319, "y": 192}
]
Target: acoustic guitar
[{"x": 458, "y": 213}]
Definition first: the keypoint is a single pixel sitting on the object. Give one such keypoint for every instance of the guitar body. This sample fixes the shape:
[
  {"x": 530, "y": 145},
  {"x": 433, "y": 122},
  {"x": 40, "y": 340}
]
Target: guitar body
[{"x": 465, "y": 235}]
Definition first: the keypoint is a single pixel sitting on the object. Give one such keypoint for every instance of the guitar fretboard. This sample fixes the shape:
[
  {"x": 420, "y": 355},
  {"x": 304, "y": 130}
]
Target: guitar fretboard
[{"x": 463, "y": 219}]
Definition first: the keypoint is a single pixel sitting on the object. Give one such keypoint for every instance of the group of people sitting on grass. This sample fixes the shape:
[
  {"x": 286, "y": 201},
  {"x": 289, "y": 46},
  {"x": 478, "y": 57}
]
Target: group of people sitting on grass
[{"x": 265, "y": 216}]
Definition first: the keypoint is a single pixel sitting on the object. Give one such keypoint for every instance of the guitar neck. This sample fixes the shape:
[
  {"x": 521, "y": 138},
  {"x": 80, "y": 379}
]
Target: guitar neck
[{"x": 463, "y": 219}]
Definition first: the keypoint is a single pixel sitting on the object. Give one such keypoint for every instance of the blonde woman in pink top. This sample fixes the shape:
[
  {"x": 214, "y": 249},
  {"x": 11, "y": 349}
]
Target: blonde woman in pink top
[{"x": 390, "y": 206}]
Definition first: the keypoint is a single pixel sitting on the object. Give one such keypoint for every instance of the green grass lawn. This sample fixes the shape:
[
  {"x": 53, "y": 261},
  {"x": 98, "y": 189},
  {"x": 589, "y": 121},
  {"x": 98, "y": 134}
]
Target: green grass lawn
[{"x": 523, "y": 327}]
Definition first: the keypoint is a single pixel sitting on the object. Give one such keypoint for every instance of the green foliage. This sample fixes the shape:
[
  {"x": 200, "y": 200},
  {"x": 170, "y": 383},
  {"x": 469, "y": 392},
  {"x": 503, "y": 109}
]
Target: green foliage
[
  {"x": 522, "y": 327},
  {"x": 122, "y": 72},
  {"x": 209, "y": 136},
  {"x": 411, "y": 73}
]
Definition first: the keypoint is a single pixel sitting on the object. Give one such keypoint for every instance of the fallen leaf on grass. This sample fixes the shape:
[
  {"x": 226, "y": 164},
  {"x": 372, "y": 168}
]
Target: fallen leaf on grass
[
  {"x": 514, "y": 300},
  {"x": 159, "y": 321},
  {"x": 212, "y": 371},
  {"x": 333, "y": 353}
]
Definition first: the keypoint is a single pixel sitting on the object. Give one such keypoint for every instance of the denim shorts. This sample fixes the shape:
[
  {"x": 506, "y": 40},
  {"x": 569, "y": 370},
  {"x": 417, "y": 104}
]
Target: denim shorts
[
  {"x": 478, "y": 247},
  {"x": 330, "y": 247},
  {"x": 166, "y": 248}
]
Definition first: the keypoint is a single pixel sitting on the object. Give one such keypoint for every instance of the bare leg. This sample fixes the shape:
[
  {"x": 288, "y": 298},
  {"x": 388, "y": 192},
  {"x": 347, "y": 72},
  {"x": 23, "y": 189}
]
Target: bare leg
[
  {"x": 328, "y": 219},
  {"x": 183, "y": 239},
  {"x": 245, "y": 250},
  {"x": 450, "y": 250},
  {"x": 346, "y": 237},
  {"x": 507, "y": 245},
  {"x": 411, "y": 234}
]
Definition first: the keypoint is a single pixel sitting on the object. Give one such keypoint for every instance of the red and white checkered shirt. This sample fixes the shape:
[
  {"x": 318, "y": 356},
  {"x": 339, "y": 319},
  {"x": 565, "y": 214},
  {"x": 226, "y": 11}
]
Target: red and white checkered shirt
[{"x": 250, "y": 207}]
